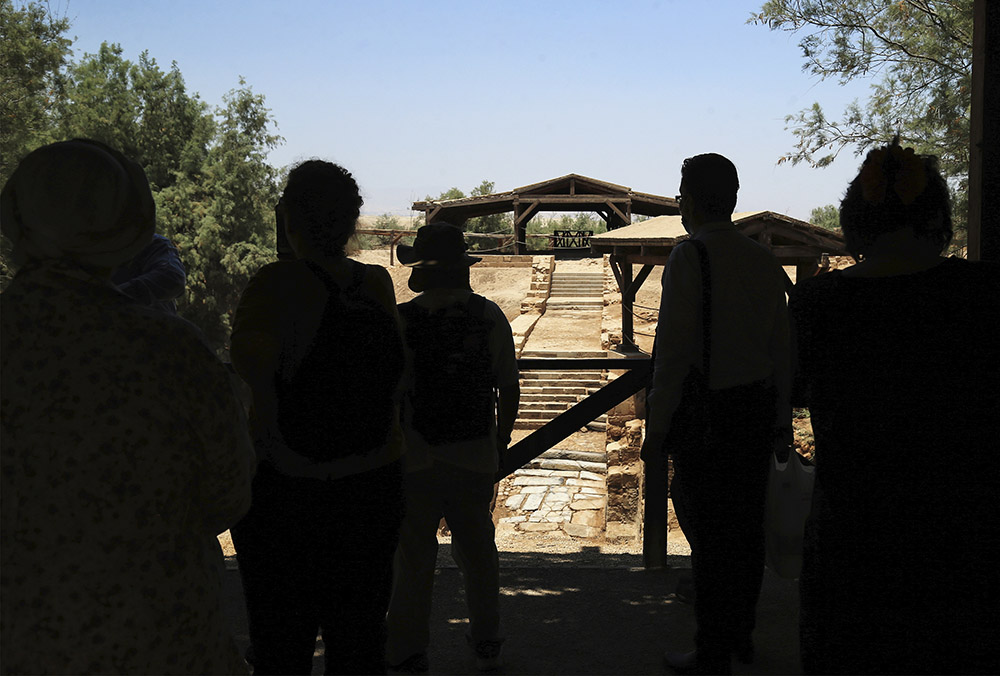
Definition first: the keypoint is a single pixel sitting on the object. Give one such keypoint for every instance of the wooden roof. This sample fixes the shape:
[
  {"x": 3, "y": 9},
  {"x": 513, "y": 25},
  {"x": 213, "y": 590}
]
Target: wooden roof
[
  {"x": 571, "y": 192},
  {"x": 789, "y": 239}
]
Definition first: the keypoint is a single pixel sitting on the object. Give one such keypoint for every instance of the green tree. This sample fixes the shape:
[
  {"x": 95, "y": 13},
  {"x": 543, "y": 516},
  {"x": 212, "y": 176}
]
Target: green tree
[
  {"x": 490, "y": 224},
  {"x": 137, "y": 108},
  {"x": 921, "y": 49},
  {"x": 827, "y": 216},
  {"x": 222, "y": 218},
  {"x": 33, "y": 54}
]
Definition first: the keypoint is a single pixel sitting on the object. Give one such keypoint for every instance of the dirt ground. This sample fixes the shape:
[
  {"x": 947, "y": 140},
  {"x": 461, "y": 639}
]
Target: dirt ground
[{"x": 504, "y": 286}]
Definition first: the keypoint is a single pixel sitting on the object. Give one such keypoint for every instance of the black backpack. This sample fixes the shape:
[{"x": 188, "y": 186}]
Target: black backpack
[
  {"x": 339, "y": 402},
  {"x": 453, "y": 392}
]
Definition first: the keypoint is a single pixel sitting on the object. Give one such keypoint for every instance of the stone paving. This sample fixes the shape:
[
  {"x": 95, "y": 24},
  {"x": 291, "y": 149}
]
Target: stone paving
[
  {"x": 564, "y": 488},
  {"x": 558, "y": 494}
]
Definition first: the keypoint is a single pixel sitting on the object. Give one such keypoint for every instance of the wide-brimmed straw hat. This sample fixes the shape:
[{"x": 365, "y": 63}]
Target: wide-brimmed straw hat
[{"x": 438, "y": 245}]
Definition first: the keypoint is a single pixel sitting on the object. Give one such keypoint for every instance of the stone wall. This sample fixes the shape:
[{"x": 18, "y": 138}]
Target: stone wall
[{"x": 624, "y": 440}]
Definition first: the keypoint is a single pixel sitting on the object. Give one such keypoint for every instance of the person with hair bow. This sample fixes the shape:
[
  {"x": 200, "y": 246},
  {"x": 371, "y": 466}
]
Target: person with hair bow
[{"x": 899, "y": 364}]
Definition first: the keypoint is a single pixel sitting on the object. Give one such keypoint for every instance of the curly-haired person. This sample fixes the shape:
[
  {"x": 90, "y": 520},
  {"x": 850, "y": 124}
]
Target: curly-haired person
[
  {"x": 318, "y": 340},
  {"x": 899, "y": 363}
]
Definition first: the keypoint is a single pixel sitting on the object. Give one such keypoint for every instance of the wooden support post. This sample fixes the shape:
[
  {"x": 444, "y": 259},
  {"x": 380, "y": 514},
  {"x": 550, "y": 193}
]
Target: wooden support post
[
  {"x": 392, "y": 249},
  {"x": 654, "y": 513},
  {"x": 984, "y": 160},
  {"x": 628, "y": 325}
]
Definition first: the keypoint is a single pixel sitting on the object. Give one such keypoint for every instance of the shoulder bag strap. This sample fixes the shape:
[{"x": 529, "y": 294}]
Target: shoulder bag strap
[{"x": 706, "y": 306}]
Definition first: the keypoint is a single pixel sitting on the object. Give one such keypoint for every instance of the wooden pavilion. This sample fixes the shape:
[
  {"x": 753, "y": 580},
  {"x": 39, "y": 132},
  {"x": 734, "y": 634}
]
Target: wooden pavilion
[
  {"x": 614, "y": 203},
  {"x": 649, "y": 243}
]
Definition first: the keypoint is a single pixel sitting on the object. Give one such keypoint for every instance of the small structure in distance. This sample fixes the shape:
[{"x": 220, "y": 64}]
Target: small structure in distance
[{"x": 616, "y": 204}]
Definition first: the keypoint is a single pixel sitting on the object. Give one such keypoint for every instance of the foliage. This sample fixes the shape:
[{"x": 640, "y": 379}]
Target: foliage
[
  {"x": 922, "y": 49},
  {"x": 214, "y": 190},
  {"x": 222, "y": 217},
  {"x": 33, "y": 53},
  {"x": 546, "y": 226},
  {"x": 382, "y": 222},
  {"x": 827, "y": 216}
]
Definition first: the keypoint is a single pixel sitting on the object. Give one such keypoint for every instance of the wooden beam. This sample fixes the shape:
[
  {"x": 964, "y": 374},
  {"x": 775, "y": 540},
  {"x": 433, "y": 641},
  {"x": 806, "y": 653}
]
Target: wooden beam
[
  {"x": 765, "y": 237},
  {"x": 637, "y": 282},
  {"x": 570, "y": 421},
  {"x": 783, "y": 251},
  {"x": 615, "y": 261},
  {"x": 582, "y": 200},
  {"x": 618, "y": 211},
  {"x": 524, "y": 216}
]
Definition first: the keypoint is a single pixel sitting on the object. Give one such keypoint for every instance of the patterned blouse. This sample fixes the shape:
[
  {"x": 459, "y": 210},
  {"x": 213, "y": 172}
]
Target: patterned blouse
[{"x": 124, "y": 453}]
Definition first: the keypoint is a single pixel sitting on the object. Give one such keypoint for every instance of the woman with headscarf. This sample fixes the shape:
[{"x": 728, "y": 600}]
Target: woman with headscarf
[
  {"x": 124, "y": 450},
  {"x": 899, "y": 361}
]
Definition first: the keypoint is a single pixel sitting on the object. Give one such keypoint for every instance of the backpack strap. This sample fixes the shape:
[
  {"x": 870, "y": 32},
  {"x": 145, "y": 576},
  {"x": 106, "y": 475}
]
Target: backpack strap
[
  {"x": 477, "y": 306},
  {"x": 331, "y": 286},
  {"x": 358, "y": 274}
]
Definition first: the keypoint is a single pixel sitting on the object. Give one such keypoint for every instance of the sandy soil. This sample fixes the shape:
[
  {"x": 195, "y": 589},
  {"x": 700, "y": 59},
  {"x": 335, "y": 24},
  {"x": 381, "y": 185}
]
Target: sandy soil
[{"x": 504, "y": 286}]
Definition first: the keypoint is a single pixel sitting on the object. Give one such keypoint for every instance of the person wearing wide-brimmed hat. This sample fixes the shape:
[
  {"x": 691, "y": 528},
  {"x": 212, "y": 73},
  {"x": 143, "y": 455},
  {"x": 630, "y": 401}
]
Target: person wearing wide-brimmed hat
[
  {"x": 458, "y": 416},
  {"x": 124, "y": 448}
]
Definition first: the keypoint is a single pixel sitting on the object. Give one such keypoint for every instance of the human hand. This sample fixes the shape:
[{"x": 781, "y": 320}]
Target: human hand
[{"x": 783, "y": 441}]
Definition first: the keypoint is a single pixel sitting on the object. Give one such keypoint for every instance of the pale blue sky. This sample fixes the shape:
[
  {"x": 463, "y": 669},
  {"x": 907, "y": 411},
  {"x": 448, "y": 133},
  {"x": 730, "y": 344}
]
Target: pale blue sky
[{"x": 417, "y": 97}]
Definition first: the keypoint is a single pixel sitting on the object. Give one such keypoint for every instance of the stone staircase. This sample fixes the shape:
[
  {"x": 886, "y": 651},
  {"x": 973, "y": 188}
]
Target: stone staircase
[
  {"x": 573, "y": 290},
  {"x": 546, "y": 394}
]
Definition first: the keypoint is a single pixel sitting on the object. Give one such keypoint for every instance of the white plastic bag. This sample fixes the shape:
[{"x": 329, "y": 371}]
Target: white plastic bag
[{"x": 789, "y": 500}]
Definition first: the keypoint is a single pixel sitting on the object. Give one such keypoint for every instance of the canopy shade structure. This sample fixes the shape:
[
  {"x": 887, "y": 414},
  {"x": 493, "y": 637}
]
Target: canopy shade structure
[
  {"x": 616, "y": 204},
  {"x": 649, "y": 243}
]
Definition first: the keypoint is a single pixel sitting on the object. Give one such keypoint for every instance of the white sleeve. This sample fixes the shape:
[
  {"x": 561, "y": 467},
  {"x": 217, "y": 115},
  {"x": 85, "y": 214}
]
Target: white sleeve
[
  {"x": 678, "y": 339},
  {"x": 502, "y": 347}
]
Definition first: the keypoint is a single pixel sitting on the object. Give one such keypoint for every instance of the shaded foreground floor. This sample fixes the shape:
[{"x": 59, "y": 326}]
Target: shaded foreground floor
[{"x": 566, "y": 614}]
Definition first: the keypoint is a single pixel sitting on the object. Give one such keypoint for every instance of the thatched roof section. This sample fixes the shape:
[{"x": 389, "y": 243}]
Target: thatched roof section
[{"x": 791, "y": 240}]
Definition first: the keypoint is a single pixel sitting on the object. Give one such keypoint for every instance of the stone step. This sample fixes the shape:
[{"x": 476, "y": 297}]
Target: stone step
[
  {"x": 544, "y": 388},
  {"x": 564, "y": 354},
  {"x": 542, "y": 374},
  {"x": 551, "y": 391},
  {"x": 523, "y": 423},
  {"x": 564, "y": 274},
  {"x": 538, "y": 413},
  {"x": 550, "y": 397},
  {"x": 570, "y": 454},
  {"x": 575, "y": 304},
  {"x": 547, "y": 406},
  {"x": 570, "y": 465}
]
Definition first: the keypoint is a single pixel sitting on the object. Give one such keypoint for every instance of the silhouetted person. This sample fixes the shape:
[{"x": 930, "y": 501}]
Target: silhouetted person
[
  {"x": 317, "y": 339},
  {"x": 458, "y": 416},
  {"x": 124, "y": 446},
  {"x": 899, "y": 358},
  {"x": 155, "y": 277},
  {"x": 720, "y": 477}
]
